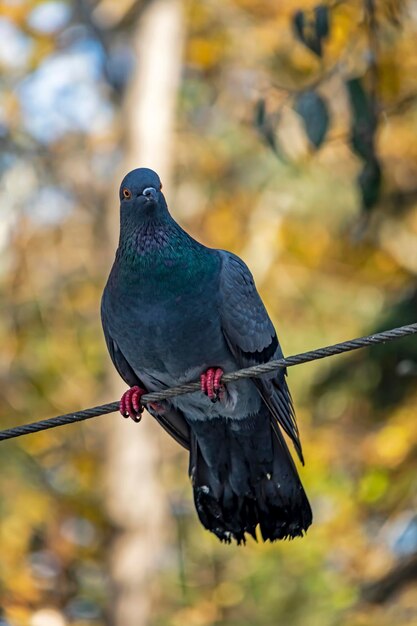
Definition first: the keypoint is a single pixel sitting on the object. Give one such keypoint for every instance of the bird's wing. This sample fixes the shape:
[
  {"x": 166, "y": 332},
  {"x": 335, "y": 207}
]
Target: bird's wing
[
  {"x": 119, "y": 361},
  {"x": 171, "y": 419},
  {"x": 252, "y": 339}
]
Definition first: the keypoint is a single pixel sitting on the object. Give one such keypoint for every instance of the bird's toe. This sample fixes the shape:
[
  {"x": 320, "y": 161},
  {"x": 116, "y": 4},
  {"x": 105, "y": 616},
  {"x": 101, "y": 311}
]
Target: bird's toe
[
  {"x": 130, "y": 405},
  {"x": 211, "y": 385}
]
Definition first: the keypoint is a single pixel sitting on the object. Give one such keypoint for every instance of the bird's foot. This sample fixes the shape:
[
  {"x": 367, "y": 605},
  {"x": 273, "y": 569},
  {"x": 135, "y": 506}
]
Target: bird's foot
[
  {"x": 211, "y": 385},
  {"x": 130, "y": 405}
]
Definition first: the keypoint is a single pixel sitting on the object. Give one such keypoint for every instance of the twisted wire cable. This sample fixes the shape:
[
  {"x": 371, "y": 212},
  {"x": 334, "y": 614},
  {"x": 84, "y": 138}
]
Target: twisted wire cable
[{"x": 248, "y": 372}]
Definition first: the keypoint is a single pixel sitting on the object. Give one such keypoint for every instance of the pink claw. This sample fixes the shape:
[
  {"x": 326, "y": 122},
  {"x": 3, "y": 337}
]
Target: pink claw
[
  {"x": 130, "y": 405},
  {"x": 210, "y": 382}
]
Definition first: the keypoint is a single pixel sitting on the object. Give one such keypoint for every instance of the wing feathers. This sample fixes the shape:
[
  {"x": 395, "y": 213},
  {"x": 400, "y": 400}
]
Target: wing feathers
[
  {"x": 171, "y": 420},
  {"x": 252, "y": 339}
]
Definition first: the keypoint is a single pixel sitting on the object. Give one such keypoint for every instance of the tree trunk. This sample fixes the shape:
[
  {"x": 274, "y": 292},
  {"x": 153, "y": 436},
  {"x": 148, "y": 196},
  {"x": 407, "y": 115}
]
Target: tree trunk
[{"x": 135, "y": 500}]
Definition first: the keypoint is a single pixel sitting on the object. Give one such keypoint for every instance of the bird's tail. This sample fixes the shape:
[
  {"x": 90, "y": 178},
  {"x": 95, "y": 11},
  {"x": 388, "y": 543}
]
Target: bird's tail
[{"x": 243, "y": 475}]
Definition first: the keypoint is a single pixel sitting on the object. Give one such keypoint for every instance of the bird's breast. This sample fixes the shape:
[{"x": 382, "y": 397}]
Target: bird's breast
[{"x": 168, "y": 325}]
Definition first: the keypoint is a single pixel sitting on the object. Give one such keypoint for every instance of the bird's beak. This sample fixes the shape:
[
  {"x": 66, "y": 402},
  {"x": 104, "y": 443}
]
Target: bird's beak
[{"x": 150, "y": 193}]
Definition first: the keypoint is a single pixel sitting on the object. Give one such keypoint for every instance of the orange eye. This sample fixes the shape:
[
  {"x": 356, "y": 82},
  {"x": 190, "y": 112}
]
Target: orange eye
[{"x": 127, "y": 193}]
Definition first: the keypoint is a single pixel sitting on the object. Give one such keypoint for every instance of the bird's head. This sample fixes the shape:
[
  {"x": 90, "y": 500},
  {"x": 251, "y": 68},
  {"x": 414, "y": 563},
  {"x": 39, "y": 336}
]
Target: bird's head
[{"x": 140, "y": 195}]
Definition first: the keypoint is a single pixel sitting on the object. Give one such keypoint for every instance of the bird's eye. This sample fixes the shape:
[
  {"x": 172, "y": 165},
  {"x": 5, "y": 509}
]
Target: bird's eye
[
  {"x": 127, "y": 193},
  {"x": 160, "y": 187}
]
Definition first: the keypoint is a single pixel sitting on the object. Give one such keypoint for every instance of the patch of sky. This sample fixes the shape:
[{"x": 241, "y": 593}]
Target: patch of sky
[
  {"x": 401, "y": 534},
  {"x": 49, "y": 17},
  {"x": 17, "y": 182},
  {"x": 65, "y": 94},
  {"x": 50, "y": 205},
  {"x": 15, "y": 46}
]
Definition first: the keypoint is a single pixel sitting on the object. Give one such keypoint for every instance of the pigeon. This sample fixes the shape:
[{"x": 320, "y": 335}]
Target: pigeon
[{"x": 175, "y": 311}]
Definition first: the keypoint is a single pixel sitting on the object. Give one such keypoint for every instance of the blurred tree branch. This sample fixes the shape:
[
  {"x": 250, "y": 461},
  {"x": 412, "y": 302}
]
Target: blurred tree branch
[
  {"x": 109, "y": 33},
  {"x": 401, "y": 575}
]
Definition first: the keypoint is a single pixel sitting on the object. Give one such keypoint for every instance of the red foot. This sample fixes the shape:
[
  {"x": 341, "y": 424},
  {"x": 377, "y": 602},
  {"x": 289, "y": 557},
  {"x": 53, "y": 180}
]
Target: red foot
[
  {"x": 210, "y": 383},
  {"x": 130, "y": 405}
]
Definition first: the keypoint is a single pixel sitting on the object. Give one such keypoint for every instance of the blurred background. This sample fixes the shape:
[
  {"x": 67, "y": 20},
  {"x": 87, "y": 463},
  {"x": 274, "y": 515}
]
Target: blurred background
[{"x": 287, "y": 133}]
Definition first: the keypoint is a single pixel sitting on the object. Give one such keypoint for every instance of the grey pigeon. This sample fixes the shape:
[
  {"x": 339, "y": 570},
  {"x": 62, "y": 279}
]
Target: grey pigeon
[{"x": 175, "y": 311}]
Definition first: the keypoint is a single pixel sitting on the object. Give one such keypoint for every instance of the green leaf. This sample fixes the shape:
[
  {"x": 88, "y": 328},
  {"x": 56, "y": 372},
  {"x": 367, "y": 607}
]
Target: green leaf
[
  {"x": 369, "y": 181},
  {"x": 298, "y": 22},
  {"x": 311, "y": 28},
  {"x": 364, "y": 123},
  {"x": 322, "y": 24},
  {"x": 266, "y": 126},
  {"x": 313, "y": 110},
  {"x": 260, "y": 113}
]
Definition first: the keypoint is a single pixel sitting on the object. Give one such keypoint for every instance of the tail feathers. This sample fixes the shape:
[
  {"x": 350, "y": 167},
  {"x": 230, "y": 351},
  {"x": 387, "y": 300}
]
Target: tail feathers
[
  {"x": 243, "y": 475},
  {"x": 284, "y": 510},
  {"x": 228, "y": 516},
  {"x": 219, "y": 508}
]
